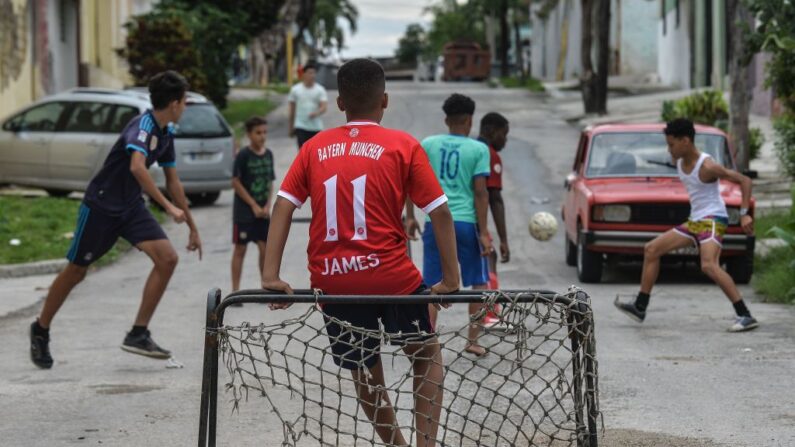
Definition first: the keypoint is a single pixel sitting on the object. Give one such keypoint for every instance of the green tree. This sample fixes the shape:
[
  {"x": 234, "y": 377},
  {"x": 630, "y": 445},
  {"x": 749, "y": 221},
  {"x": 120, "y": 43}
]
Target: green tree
[
  {"x": 775, "y": 34},
  {"x": 216, "y": 28},
  {"x": 453, "y": 21},
  {"x": 412, "y": 45},
  {"x": 159, "y": 42},
  {"x": 593, "y": 81},
  {"x": 323, "y": 19}
]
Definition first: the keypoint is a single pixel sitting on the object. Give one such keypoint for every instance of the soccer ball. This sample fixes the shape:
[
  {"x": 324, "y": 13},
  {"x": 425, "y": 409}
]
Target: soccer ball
[{"x": 543, "y": 226}]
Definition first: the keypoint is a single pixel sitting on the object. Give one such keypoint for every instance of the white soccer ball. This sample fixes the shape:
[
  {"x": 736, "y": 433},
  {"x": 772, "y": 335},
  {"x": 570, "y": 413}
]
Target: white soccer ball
[{"x": 543, "y": 226}]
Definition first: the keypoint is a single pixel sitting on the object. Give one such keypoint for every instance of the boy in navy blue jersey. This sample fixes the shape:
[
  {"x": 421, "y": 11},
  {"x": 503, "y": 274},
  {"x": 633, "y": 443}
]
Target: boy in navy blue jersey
[
  {"x": 253, "y": 185},
  {"x": 114, "y": 207}
]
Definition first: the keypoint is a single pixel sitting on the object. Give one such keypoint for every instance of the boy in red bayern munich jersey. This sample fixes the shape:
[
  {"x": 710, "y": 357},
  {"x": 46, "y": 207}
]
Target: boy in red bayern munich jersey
[{"x": 359, "y": 176}]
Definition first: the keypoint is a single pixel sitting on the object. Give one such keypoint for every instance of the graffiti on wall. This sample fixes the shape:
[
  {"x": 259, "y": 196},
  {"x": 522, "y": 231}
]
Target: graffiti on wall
[{"x": 13, "y": 41}]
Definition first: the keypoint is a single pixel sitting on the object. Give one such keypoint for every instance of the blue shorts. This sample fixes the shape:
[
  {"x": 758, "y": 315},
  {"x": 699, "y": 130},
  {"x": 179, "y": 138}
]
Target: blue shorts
[
  {"x": 97, "y": 232},
  {"x": 353, "y": 349},
  {"x": 474, "y": 267}
]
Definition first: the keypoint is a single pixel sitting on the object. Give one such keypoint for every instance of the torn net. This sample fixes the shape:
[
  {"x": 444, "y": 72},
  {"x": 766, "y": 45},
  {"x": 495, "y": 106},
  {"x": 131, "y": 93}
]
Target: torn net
[{"x": 530, "y": 389}]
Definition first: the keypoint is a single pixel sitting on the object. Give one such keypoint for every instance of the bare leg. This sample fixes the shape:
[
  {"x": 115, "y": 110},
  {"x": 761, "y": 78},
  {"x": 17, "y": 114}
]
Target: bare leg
[
  {"x": 261, "y": 245},
  {"x": 376, "y": 404},
  {"x": 63, "y": 284},
  {"x": 474, "y": 329},
  {"x": 238, "y": 255},
  {"x": 428, "y": 389},
  {"x": 710, "y": 265},
  {"x": 165, "y": 258},
  {"x": 654, "y": 250}
]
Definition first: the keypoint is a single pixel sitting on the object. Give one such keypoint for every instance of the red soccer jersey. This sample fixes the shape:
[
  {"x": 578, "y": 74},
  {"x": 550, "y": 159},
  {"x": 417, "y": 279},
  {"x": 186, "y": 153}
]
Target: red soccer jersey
[
  {"x": 495, "y": 178},
  {"x": 358, "y": 176}
]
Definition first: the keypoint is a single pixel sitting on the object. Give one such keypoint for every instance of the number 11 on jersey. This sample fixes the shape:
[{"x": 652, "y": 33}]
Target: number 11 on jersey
[{"x": 359, "y": 217}]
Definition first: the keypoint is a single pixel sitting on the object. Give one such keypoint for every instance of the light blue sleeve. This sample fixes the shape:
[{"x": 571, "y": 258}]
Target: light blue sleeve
[{"x": 483, "y": 164}]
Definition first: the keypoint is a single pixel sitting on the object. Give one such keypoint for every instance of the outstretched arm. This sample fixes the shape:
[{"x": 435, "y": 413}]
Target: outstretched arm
[
  {"x": 444, "y": 232},
  {"x": 716, "y": 171},
  {"x": 498, "y": 212},
  {"x": 141, "y": 173},
  {"x": 482, "y": 212},
  {"x": 177, "y": 193},
  {"x": 411, "y": 224},
  {"x": 281, "y": 220}
]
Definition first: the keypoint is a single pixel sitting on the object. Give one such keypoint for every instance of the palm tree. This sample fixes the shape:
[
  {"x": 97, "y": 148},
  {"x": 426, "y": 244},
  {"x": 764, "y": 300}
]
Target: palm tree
[{"x": 321, "y": 19}]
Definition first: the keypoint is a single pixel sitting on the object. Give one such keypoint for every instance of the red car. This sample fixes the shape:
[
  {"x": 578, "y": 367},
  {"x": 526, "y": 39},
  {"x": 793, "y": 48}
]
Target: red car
[{"x": 624, "y": 191}]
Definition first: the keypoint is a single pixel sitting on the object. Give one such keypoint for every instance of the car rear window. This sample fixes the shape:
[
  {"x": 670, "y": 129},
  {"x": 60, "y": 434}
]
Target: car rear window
[
  {"x": 201, "y": 121},
  {"x": 644, "y": 154}
]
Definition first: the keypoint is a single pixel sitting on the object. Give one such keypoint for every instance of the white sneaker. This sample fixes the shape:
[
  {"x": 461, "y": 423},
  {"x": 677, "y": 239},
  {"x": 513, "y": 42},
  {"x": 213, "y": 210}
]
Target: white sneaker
[{"x": 742, "y": 324}]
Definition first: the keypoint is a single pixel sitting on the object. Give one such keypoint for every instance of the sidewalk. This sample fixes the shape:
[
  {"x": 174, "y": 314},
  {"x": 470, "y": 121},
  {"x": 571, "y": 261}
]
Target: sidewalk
[{"x": 633, "y": 101}]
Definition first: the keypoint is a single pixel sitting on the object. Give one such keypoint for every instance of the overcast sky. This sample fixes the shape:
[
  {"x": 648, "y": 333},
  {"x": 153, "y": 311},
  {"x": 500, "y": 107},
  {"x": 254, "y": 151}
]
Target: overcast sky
[{"x": 381, "y": 24}]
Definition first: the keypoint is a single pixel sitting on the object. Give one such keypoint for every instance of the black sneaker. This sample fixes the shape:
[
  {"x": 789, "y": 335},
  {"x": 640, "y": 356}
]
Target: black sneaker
[
  {"x": 144, "y": 345},
  {"x": 40, "y": 349},
  {"x": 630, "y": 310}
]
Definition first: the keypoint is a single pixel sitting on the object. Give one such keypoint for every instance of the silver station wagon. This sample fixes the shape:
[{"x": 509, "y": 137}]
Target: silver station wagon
[{"x": 60, "y": 142}]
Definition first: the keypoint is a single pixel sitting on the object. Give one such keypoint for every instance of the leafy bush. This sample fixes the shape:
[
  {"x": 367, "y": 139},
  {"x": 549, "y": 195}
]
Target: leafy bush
[
  {"x": 785, "y": 143},
  {"x": 755, "y": 142},
  {"x": 157, "y": 42},
  {"x": 707, "y": 107}
]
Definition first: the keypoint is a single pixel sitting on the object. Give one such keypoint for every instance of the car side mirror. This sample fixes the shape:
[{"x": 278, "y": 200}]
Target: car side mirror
[
  {"x": 13, "y": 127},
  {"x": 569, "y": 180}
]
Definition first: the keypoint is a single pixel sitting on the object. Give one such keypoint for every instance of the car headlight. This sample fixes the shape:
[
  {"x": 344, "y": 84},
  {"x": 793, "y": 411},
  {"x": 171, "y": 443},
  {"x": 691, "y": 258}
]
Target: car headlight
[
  {"x": 734, "y": 215},
  {"x": 612, "y": 213}
]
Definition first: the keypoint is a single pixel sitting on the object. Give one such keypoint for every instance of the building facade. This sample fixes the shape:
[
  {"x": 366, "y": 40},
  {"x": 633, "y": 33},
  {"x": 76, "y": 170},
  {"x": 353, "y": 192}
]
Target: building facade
[
  {"x": 47, "y": 46},
  {"x": 557, "y": 36}
]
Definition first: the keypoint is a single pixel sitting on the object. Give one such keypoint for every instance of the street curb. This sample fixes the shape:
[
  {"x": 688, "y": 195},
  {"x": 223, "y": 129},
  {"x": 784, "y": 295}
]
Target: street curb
[{"x": 32, "y": 268}]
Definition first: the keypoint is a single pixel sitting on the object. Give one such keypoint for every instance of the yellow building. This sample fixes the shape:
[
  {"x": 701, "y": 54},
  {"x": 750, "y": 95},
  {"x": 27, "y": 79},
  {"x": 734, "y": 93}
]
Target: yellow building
[{"x": 47, "y": 46}]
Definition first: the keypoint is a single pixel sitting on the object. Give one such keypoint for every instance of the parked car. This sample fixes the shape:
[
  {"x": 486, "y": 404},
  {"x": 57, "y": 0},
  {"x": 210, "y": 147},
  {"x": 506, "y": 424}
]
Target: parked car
[
  {"x": 60, "y": 142},
  {"x": 623, "y": 191}
]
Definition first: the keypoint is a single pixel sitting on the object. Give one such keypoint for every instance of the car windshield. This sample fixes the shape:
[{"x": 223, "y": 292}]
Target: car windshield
[
  {"x": 643, "y": 154},
  {"x": 201, "y": 121}
]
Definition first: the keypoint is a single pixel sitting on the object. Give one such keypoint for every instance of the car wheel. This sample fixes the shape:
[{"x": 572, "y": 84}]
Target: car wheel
[
  {"x": 740, "y": 268},
  {"x": 589, "y": 263},
  {"x": 203, "y": 198},
  {"x": 58, "y": 192},
  {"x": 570, "y": 250}
]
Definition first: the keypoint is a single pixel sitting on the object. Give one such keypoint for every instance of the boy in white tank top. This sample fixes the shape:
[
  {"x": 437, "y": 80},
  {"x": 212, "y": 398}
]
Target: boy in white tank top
[{"x": 705, "y": 227}]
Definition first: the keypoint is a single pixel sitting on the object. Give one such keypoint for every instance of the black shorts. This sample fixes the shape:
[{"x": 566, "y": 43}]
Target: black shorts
[
  {"x": 302, "y": 136},
  {"x": 256, "y": 231},
  {"x": 97, "y": 232},
  {"x": 354, "y": 350}
]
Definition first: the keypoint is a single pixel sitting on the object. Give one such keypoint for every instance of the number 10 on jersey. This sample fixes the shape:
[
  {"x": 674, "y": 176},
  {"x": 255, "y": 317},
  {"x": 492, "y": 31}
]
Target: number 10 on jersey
[{"x": 359, "y": 222}]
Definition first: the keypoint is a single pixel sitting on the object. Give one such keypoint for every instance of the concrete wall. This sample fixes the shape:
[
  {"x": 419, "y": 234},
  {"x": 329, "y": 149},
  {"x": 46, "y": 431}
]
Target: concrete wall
[
  {"x": 63, "y": 52},
  {"x": 673, "y": 48},
  {"x": 638, "y": 38},
  {"x": 42, "y": 58},
  {"x": 16, "y": 59},
  {"x": 549, "y": 50},
  {"x": 763, "y": 101},
  {"x": 630, "y": 39}
]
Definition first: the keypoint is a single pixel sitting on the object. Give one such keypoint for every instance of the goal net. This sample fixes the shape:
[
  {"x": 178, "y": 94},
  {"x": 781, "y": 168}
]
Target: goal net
[{"x": 537, "y": 384}]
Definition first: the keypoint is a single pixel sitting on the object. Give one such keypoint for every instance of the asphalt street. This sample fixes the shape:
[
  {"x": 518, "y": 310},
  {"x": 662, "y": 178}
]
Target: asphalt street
[{"x": 677, "y": 380}]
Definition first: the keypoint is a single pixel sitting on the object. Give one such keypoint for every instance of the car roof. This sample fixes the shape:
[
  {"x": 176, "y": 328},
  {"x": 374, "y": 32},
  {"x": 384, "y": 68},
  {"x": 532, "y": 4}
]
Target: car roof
[
  {"x": 644, "y": 127},
  {"x": 137, "y": 96}
]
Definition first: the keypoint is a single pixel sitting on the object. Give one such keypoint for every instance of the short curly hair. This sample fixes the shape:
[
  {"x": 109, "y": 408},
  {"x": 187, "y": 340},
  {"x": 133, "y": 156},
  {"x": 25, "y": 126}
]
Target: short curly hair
[
  {"x": 458, "y": 105},
  {"x": 361, "y": 84},
  {"x": 681, "y": 127}
]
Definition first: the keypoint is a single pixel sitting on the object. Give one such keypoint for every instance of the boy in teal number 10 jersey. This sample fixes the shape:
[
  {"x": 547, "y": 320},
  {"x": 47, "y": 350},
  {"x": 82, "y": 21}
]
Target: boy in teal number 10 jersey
[{"x": 462, "y": 166}]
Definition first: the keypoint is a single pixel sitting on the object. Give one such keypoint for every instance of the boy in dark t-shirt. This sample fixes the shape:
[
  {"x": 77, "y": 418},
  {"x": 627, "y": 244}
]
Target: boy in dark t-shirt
[
  {"x": 253, "y": 184},
  {"x": 114, "y": 207}
]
